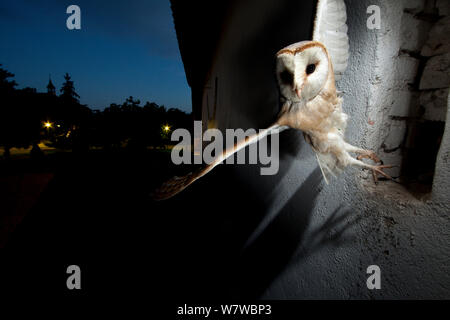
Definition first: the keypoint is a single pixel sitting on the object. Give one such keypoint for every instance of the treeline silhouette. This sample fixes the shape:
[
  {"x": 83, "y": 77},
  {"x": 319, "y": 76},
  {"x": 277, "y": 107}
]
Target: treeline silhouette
[{"x": 29, "y": 117}]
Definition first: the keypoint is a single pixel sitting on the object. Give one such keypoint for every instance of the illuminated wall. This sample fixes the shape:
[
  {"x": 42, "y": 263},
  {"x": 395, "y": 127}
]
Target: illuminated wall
[
  {"x": 396, "y": 93},
  {"x": 386, "y": 225}
]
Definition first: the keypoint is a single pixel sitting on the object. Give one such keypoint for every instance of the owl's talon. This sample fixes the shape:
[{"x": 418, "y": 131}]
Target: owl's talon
[
  {"x": 370, "y": 155},
  {"x": 375, "y": 178},
  {"x": 378, "y": 169}
]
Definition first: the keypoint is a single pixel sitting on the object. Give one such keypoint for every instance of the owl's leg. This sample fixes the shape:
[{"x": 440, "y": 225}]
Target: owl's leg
[
  {"x": 375, "y": 168},
  {"x": 363, "y": 153}
]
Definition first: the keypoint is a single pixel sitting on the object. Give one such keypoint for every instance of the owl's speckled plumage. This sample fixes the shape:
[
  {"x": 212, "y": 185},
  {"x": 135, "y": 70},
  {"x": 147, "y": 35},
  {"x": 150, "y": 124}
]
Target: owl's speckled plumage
[
  {"x": 306, "y": 78},
  {"x": 306, "y": 73}
]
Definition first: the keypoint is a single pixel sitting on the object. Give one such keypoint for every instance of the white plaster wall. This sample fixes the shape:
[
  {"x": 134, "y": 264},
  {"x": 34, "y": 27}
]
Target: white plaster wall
[
  {"x": 351, "y": 223},
  {"x": 382, "y": 225}
]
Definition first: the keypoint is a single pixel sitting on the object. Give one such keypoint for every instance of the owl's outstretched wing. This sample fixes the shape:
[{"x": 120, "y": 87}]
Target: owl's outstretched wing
[
  {"x": 177, "y": 184},
  {"x": 330, "y": 28}
]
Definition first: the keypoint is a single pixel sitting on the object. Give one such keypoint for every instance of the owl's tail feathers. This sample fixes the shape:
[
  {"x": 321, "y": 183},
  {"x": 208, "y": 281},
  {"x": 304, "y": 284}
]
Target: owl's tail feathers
[
  {"x": 175, "y": 185},
  {"x": 328, "y": 165}
]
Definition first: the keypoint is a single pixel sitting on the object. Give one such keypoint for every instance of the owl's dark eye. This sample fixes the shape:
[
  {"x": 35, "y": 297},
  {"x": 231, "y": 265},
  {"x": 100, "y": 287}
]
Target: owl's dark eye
[
  {"x": 310, "y": 68},
  {"x": 286, "y": 77}
]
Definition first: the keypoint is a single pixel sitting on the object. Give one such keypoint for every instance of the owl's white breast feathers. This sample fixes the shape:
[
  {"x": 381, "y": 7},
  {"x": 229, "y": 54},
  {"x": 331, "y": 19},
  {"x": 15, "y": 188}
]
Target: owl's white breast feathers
[
  {"x": 339, "y": 118},
  {"x": 329, "y": 147},
  {"x": 330, "y": 28}
]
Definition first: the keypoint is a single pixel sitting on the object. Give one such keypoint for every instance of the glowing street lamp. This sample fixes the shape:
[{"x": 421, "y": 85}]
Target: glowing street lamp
[
  {"x": 166, "y": 128},
  {"x": 48, "y": 124}
]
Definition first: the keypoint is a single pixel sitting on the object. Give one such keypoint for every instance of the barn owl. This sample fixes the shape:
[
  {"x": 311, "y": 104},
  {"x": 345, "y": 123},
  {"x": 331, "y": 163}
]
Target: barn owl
[{"x": 306, "y": 72}]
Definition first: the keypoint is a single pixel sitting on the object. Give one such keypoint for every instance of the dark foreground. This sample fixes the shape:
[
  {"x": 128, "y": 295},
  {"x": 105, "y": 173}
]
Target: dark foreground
[{"x": 94, "y": 210}]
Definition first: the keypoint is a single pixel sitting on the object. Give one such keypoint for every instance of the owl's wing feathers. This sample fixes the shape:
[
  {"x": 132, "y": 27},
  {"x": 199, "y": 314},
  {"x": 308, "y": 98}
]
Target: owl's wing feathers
[
  {"x": 330, "y": 28},
  {"x": 177, "y": 184}
]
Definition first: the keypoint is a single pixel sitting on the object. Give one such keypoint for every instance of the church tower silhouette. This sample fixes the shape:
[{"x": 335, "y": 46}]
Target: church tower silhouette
[{"x": 50, "y": 87}]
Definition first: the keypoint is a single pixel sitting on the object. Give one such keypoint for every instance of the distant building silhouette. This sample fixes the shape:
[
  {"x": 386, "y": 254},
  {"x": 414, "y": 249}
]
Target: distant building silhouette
[{"x": 50, "y": 87}]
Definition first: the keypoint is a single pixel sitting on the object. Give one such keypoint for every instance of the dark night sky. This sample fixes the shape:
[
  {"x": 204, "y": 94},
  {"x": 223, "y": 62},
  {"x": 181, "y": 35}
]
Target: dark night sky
[{"x": 123, "y": 48}]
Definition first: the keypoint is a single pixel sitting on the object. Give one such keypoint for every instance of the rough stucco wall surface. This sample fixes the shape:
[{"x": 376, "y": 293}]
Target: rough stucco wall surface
[
  {"x": 441, "y": 183},
  {"x": 337, "y": 230},
  {"x": 366, "y": 224}
]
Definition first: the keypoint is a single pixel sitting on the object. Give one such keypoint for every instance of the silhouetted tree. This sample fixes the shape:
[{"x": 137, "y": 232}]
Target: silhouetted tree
[
  {"x": 68, "y": 90},
  {"x": 131, "y": 105},
  {"x": 7, "y": 111},
  {"x": 23, "y": 113},
  {"x": 5, "y": 84},
  {"x": 20, "y": 113}
]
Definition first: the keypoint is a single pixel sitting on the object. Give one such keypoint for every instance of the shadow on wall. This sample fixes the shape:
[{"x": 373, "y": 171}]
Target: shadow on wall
[
  {"x": 244, "y": 65},
  {"x": 270, "y": 253},
  {"x": 214, "y": 219},
  {"x": 287, "y": 239}
]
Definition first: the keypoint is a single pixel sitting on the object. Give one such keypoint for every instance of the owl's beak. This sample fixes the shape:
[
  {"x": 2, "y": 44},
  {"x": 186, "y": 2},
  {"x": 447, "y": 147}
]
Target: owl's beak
[{"x": 298, "y": 89}]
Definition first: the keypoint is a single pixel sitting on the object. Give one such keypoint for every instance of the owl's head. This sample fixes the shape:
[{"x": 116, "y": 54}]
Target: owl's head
[{"x": 303, "y": 69}]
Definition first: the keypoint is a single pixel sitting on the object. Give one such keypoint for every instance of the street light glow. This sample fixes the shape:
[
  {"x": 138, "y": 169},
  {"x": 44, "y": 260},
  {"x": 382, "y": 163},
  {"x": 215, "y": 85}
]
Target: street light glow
[
  {"x": 166, "y": 128},
  {"x": 47, "y": 124}
]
